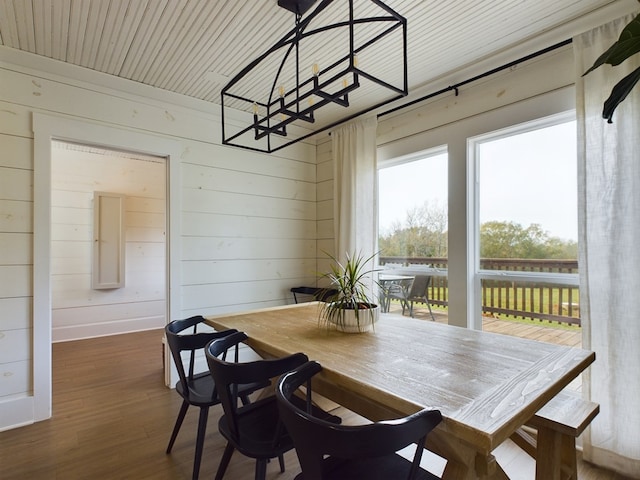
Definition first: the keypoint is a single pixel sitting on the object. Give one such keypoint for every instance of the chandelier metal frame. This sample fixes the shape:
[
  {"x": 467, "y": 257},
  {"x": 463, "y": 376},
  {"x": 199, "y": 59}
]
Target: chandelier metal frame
[{"x": 285, "y": 107}]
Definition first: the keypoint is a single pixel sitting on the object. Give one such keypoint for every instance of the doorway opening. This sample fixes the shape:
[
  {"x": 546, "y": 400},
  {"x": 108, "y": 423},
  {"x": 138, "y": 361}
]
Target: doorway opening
[
  {"x": 80, "y": 176},
  {"x": 49, "y": 128}
]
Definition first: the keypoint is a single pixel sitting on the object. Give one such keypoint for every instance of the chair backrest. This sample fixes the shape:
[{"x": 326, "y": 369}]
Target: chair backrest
[
  {"x": 419, "y": 286},
  {"x": 228, "y": 375},
  {"x": 194, "y": 342},
  {"x": 314, "y": 438}
]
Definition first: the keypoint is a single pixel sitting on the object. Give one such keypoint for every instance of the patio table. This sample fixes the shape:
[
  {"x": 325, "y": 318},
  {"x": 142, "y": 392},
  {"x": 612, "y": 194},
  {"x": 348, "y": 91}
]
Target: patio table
[{"x": 386, "y": 282}]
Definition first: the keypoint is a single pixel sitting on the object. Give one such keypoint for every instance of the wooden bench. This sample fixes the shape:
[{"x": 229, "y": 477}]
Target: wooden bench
[{"x": 552, "y": 432}]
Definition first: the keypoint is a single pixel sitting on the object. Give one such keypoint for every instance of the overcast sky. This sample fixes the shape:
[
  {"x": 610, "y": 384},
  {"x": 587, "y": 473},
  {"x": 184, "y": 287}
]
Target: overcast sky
[
  {"x": 527, "y": 178},
  {"x": 409, "y": 185}
]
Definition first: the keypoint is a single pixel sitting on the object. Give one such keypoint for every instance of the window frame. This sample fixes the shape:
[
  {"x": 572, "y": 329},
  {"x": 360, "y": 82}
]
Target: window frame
[
  {"x": 451, "y": 122},
  {"x": 401, "y": 160},
  {"x": 478, "y": 274}
]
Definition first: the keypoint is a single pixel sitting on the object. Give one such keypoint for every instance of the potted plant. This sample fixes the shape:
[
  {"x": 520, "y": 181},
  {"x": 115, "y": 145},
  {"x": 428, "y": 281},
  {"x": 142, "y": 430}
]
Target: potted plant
[
  {"x": 627, "y": 45},
  {"x": 350, "y": 307}
]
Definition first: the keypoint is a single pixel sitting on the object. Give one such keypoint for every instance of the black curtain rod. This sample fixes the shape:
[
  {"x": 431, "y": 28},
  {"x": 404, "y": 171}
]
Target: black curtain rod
[{"x": 477, "y": 77}]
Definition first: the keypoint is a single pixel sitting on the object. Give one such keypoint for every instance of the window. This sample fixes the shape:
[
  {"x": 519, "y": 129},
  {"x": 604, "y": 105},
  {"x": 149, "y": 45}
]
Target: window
[
  {"x": 412, "y": 209},
  {"x": 413, "y": 226},
  {"x": 526, "y": 222}
]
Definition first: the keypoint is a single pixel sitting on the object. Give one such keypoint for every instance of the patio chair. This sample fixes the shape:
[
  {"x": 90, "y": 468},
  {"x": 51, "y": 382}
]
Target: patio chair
[
  {"x": 417, "y": 292},
  {"x": 342, "y": 452}
]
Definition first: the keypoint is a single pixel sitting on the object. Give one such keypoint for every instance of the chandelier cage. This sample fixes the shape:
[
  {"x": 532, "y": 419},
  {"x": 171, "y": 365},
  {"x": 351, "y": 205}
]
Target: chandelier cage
[{"x": 320, "y": 71}]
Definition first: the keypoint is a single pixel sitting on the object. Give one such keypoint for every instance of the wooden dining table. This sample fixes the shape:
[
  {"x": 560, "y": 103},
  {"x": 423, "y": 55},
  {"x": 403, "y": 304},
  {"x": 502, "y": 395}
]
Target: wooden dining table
[{"x": 486, "y": 385}]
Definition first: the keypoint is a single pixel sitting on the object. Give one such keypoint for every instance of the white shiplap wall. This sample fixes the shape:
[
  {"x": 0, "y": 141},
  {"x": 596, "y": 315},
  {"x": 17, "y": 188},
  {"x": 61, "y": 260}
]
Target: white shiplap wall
[
  {"x": 247, "y": 224},
  {"x": 513, "y": 96},
  {"x": 16, "y": 261},
  {"x": 77, "y": 310},
  {"x": 250, "y": 225}
]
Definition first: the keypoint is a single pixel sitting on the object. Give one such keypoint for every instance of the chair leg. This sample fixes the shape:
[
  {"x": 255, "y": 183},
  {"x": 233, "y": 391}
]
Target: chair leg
[
  {"x": 224, "y": 461},
  {"x": 281, "y": 461},
  {"x": 430, "y": 311},
  {"x": 176, "y": 428},
  {"x": 202, "y": 428},
  {"x": 261, "y": 468}
]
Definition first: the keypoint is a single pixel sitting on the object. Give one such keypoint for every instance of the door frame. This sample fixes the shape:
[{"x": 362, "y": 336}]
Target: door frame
[{"x": 45, "y": 129}]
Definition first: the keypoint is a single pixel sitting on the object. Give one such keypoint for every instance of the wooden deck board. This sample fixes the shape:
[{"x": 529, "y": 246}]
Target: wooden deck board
[{"x": 571, "y": 338}]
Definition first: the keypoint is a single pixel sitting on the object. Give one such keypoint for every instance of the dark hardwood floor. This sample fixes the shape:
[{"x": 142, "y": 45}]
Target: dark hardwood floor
[{"x": 112, "y": 417}]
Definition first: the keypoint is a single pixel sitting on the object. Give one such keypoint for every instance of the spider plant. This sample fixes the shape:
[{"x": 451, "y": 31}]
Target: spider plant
[{"x": 352, "y": 281}]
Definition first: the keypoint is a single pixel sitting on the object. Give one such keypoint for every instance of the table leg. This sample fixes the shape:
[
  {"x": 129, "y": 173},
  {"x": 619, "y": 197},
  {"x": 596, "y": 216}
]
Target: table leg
[
  {"x": 463, "y": 461},
  {"x": 556, "y": 456}
]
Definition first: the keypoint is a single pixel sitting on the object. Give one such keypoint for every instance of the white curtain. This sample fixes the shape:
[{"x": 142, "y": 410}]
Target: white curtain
[
  {"x": 354, "y": 180},
  {"x": 609, "y": 229}
]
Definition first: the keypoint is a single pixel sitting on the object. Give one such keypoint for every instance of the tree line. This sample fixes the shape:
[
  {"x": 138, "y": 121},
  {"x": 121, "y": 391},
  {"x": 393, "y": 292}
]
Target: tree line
[{"x": 424, "y": 233}]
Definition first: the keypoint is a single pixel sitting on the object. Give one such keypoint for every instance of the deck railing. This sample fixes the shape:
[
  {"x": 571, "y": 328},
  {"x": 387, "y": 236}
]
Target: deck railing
[{"x": 510, "y": 298}]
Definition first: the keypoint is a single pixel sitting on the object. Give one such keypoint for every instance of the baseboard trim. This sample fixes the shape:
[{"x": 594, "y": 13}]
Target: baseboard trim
[
  {"x": 16, "y": 412},
  {"x": 103, "y": 329}
]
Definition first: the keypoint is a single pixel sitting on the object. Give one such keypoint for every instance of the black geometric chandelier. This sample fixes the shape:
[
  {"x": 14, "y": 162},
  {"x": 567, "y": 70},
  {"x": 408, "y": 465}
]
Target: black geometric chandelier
[{"x": 323, "y": 72}]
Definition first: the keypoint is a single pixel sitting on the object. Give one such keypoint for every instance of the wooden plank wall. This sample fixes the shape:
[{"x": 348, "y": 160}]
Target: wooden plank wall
[
  {"x": 251, "y": 225},
  {"x": 248, "y": 220},
  {"x": 77, "y": 310},
  {"x": 325, "y": 203},
  {"x": 16, "y": 261}
]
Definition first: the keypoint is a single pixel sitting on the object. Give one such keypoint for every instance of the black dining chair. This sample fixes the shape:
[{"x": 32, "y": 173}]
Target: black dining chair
[
  {"x": 417, "y": 292},
  {"x": 196, "y": 388},
  {"x": 255, "y": 430},
  {"x": 328, "y": 451}
]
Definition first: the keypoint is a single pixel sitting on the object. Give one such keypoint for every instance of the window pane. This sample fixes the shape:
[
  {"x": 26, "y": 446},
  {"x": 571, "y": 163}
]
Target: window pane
[
  {"x": 413, "y": 207},
  {"x": 528, "y": 197},
  {"x": 528, "y": 224},
  {"x": 412, "y": 237}
]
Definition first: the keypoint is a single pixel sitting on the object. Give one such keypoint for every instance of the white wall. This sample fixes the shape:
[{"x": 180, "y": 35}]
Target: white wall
[
  {"x": 247, "y": 223},
  {"x": 324, "y": 212},
  {"x": 529, "y": 90},
  {"x": 517, "y": 95},
  {"x": 250, "y": 225},
  {"x": 537, "y": 88},
  {"x": 78, "y": 311},
  {"x": 522, "y": 93}
]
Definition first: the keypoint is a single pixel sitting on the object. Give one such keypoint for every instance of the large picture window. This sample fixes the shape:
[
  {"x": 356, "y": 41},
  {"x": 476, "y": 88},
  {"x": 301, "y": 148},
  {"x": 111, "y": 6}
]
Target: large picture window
[
  {"x": 413, "y": 231},
  {"x": 526, "y": 222},
  {"x": 412, "y": 210}
]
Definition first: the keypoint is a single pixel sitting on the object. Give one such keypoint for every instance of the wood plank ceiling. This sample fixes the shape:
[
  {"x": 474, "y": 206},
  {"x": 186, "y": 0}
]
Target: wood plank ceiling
[{"x": 192, "y": 47}]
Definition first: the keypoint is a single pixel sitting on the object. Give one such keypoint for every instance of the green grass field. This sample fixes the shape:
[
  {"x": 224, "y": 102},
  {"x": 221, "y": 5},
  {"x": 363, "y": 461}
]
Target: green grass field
[{"x": 527, "y": 300}]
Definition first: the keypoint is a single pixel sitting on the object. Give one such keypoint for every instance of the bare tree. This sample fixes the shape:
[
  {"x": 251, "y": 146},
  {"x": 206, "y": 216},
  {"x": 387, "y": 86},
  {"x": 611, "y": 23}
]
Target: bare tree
[{"x": 423, "y": 233}]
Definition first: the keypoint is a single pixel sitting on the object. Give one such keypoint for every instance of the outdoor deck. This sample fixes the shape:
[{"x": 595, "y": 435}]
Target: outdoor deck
[{"x": 572, "y": 338}]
